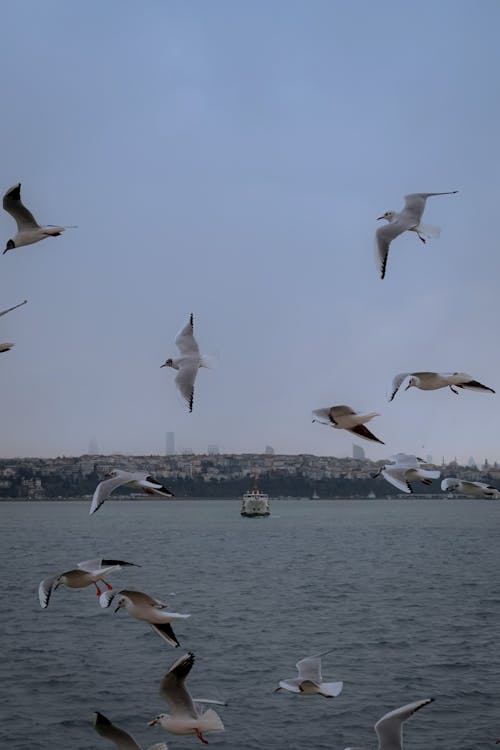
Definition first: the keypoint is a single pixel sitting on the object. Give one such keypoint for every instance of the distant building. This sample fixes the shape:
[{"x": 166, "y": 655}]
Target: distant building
[
  {"x": 170, "y": 444},
  {"x": 269, "y": 450},
  {"x": 471, "y": 463},
  {"x": 213, "y": 450},
  {"x": 358, "y": 452},
  {"x": 93, "y": 447}
]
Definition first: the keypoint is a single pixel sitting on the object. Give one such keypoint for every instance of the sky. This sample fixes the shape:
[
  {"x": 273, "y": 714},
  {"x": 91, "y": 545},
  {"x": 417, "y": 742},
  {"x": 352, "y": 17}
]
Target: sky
[{"x": 230, "y": 159}]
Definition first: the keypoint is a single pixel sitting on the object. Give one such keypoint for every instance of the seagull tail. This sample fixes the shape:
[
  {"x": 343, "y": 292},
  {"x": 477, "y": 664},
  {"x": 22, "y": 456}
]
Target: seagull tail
[
  {"x": 366, "y": 417},
  {"x": 429, "y": 231},
  {"x": 210, "y": 721}
]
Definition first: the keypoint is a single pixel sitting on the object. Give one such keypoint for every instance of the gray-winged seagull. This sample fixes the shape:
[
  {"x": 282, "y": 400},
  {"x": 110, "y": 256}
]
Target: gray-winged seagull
[
  {"x": 401, "y": 221},
  {"x": 119, "y": 737},
  {"x": 188, "y": 364},
  {"x": 6, "y": 346},
  {"x": 431, "y": 381},
  {"x": 389, "y": 728},
  {"x": 464, "y": 487},
  {"x": 120, "y": 478},
  {"x": 28, "y": 230},
  {"x": 310, "y": 680},
  {"x": 345, "y": 418},
  {"x": 86, "y": 573},
  {"x": 405, "y": 469}
]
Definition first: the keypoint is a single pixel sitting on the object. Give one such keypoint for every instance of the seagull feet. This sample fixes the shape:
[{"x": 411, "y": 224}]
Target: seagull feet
[
  {"x": 98, "y": 592},
  {"x": 201, "y": 737},
  {"x": 422, "y": 239}
]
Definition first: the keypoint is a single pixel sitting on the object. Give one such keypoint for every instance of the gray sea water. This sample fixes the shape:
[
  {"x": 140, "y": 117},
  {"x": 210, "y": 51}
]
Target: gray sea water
[{"x": 405, "y": 592}]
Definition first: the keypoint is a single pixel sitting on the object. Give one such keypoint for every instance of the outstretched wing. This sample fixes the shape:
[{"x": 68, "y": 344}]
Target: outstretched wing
[
  {"x": 185, "y": 340},
  {"x": 173, "y": 688},
  {"x": 396, "y": 476},
  {"x": 114, "y": 734},
  {"x": 104, "y": 490},
  {"x": 389, "y": 728},
  {"x": 364, "y": 432},
  {"x": 45, "y": 589},
  {"x": 383, "y": 238},
  {"x": 184, "y": 380},
  {"x": 9, "y": 309},
  {"x": 13, "y": 205},
  {"x": 396, "y": 383}
]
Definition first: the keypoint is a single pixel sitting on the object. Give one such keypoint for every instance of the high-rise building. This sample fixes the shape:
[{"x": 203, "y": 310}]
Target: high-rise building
[
  {"x": 170, "y": 444},
  {"x": 269, "y": 450},
  {"x": 213, "y": 449},
  {"x": 93, "y": 447},
  {"x": 471, "y": 463},
  {"x": 358, "y": 451}
]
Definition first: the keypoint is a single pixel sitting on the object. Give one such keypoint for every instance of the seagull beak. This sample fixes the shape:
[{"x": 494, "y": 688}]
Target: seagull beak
[
  {"x": 278, "y": 689},
  {"x": 380, "y": 217},
  {"x": 163, "y": 365},
  {"x": 116, "y": 610},
  {"x": 152, "y": 723}
]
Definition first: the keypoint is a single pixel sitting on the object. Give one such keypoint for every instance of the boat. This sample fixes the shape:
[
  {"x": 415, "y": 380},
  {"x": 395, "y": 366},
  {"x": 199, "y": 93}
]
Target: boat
[{"x": 255, "y": 504}]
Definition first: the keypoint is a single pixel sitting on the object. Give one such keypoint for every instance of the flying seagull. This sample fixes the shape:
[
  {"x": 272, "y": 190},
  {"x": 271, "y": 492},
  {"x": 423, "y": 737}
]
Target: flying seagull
[
  {"x": 345, "y": 418},
  {"x": 406, "y": 220},
  {"x": 389, "y": 728},
  {"x": 431, "y": 381},
  {"x": 119, "y": 737},
  {"x": 119, "y": 478},
  {"x": 144, "y": 607},
  {"x": 405, "y": 469},
  {"x": 463, "y": 487},
  {"x": 28, "y": 231},
  {"x": 86, "y": 573},
  {"x": 188, "y": 364},
  {"x": 6, "y": 346},
  {"x": 310, "y": 680},
  {"x": 187, "y": 714}
]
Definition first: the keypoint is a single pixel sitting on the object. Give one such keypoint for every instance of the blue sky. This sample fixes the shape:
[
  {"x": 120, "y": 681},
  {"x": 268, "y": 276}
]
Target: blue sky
[{"x": 230, "y": 159}]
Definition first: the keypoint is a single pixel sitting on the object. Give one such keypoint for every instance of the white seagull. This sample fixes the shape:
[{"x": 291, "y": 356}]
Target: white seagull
[
  {"x": 119, "y": 737},
  {"x": 188, "y": 363},
  {"x": 144, "y": 607},
  {"x": 389, "y": 728},
  {"x": 431, "y": 381},
  {"x": 187, "y": 714},
  {"x": 6, "y": 346},
  {"x": 405, "y": 469},
  {"x": 86, "y": 573},
  {"x": 119, "y": 478},
  {"x": 464, "y": 487},
  {"x": 28, "y": 230},
  {"x": 406, "y": 220},
  {"x": 345, "y": 418},
  {"x": 310, "y": 680}
]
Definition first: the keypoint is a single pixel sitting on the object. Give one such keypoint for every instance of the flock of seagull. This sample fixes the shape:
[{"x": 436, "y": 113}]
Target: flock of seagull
[{"x": 190, "y": 715}]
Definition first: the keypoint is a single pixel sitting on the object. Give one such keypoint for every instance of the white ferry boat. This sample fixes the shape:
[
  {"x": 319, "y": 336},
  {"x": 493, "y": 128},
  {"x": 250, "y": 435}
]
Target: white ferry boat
[{"x": 255, "y": 503}]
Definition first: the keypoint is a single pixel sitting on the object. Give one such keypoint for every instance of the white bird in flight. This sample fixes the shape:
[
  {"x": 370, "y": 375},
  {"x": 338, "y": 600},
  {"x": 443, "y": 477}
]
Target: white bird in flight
[
  {"x": 464, "y": 487},
  {"x": 6, "y": 346},
  {"x": 119, "y": 737},
  {"x": 405, "y": 469},
  {"x": 144, "y": 607},
  {"x": 345, "y": 418},
  {"x": 406, "y": 220},
  {"x": 389, "y": 728},
  {"x": 28, "y": 230},
  {"x": 188, "y": 364},
  {"x": 310, "y": 680},
  {"x": 187, "y": 714},
  {"x": 86, "y": 573},
  {"x": 119, "y": 478},
  {"x": 431, "y": 381}
]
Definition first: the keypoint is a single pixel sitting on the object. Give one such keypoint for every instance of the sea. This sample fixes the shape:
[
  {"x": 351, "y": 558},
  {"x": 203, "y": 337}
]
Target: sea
[{"x": 405, "y": 593}]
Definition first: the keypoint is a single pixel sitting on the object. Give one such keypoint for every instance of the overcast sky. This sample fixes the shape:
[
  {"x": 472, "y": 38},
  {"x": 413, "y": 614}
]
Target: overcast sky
[{"x": 230, "y": 159}]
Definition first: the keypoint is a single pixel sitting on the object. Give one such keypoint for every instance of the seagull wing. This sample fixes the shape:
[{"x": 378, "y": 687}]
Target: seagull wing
[
  {"x": 396, "y": 383},
  {"x": 415, "y": 205},
  {"x": 9, "y": 309},
  {"x": 104, "y": 490},
  {"x": 396, "y": 476},
  {"x": 185, "y": 340},
  {"x": 114, "y": 734},
  {"x": 45, "y": 590},
  {"x": 362, "y": 431},
  {"x": 156, "y": 486},
  {"x": 100, "y": 565},
  {"x": 389, "y": 728},
  {"x": 173, "y": 688},
  {"x": 310, "y": 670},
  {"x": 13, "y": 205},
  {"x": 185, "y": 378},
  {"x": 383, "y": 238}
]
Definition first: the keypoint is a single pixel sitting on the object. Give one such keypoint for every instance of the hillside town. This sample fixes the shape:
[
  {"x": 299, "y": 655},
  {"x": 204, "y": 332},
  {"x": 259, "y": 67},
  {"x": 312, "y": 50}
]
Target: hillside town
[{"x": 218, "y": 475}]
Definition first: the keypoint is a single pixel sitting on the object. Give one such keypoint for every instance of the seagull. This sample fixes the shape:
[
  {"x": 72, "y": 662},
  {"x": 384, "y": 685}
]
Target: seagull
[
  {"x": 188, "y": 363},
  {"x": 87, "y": 572},
  {"x": 431, "y": 381},
  {"x": 405, "y": 469},
  {"x": 188, "y": 715},
  {"x": 310, "y": 681},
  {"x": 389, "y": 728},
  {"x": 399, "y": 222},
  {"x": 119, "y": 737},
  {"x": 144, "y": 607},
  {"x": 463, "y": 487},
  {"x": 344, "y": 418},
  {"x": 5, "y": 347},
  {"x": 28, "y": 231},
  {"x": 119, "y": 478}
]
